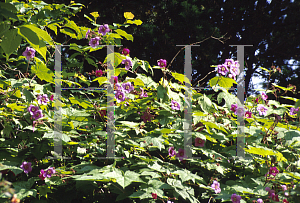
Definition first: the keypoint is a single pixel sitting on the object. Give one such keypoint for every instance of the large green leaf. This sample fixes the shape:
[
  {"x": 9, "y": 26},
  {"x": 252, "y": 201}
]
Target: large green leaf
[
  {"x": 40, "y": 33},
  {"x": 33, "y": 39},
  {"x": 123, "y": 33},
  {"x": 126, "y": 179},
  {"x": 10, "y": 42},
  {"x": 205, "y": 103}
]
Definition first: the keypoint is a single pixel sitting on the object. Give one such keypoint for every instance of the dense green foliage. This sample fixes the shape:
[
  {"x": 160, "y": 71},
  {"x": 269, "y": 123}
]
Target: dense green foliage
[{"x": 146, "y": 170}]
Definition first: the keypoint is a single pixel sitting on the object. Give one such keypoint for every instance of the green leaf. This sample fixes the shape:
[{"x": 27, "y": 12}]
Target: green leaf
[
  {"x": 71, "y": 24},
  {"x": 44, "y": 190},
  {"x": 42, "y": 72},
  {"x": 126, "y": 179},
  {"x": 40, "y": 33},
  {"x": 8, "y": 14},
  {"x": 69, "y": 32},
  {"x": 53, "y": 26},
  {"x": 205, "y": 103},
  {"x": 265, "y": 69},
  {"x": 123, "y": 33},
  {"x": 161, "y": 92},
  {"x": 10, "y": 42},
  {"x": 222, "y": 81},
  {"x": 14, "y": 107}
]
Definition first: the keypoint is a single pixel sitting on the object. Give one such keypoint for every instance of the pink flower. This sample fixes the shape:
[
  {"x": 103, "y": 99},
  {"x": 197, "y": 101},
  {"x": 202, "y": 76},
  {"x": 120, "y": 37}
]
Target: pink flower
[
  {"x": 248, "y": 114},
  {"x": 264, "y": 96},
  {"x": 146, "y": 117},
  {"x": 233, "y": 107},
  {"x": 181, "y": 154},
  {"x": 273, "y": 171},
  {"x": 94, "y": 42},
  {"x": 125, "y": 51},
  {"x": 102, "y": 113},
  {"x": 229, "y": 62},
  {"x": 267, "y": 189},
  {"x": 41, "y": 176},
  {"x": 29, "y": 53},
  {"x": 199, "y": 142},
  {"x": 239, "y": 111},
  {"x": 42, "y": 99},
  {"x": 143, "y": 94},
  {"x": 232, "y": 76},
  {"x": 99, "y": 73},
  {"x": 262, "y": 110},
  {"x": 285, "y": 201},
  {"x": 216, "y": 187},
  {"x": 284, "y": 188},
  {"x": 162, "y": 63},
  {"x": 175, "y": 105},
  {"x": 274, "y": 197},
  {"x": 128, "y": 63},
  {"x": 222, "y": 69},
  {"x": 51, "y": 97},
  {"x": 234, "y": 70},
  {"x": 103, "y": 29},
  {"x": 260, "y": 201},
  {"x": 154, "y": 195},
  {"x": 235, "y": 198},
  {"x": 87, "y": 34},
  {"x": 294, "y": 111},
  {"x": 172, "y": 152},
  {"x": 26, "y": 166}
]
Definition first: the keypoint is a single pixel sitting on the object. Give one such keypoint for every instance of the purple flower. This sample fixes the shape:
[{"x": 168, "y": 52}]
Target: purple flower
[
  {"x": 229, "y": 62},
  {"x": 267, "y": 189},
  {"x": 94, "y": 42},
  {"x": 127, "y": 87},
  {"x": 127, "y": 63},
  {"x": 32, "y": 109},
  {"x": 120, "y": 96},
  {"x": 87, "y": 34},
  {"x": 294, "y": 111},
  {"x": 29, "y": 53},
  {"x": 26, "y": 166},
  {"x": 260, "y": 201},
  {"x": 37, "y": 114},
  {"x": 111, "y": 115},
  {"x": 181, "y": 154},
  {"x": 234, "y": 70},
  {"x": 103, "y": 29},
  {"x": 49, "y": 172},
  {"x": 125, "y": 51},
  {"x": 172, "y": 152},
  {"x": 235, "y": 198},
  {"x": 118, "y": 87},
  {"x": 51, "y": 97},
  {"x": 239, "y": 111},
  {"x": 199, "y": 142},
  {"x": 170, "y": 202},
  {"x": 216, "y": 187},
  {"x": 175, "y": 105},
  {"x": 262, "y": 110},
  {"x": 162, "y": 63},
  {"x": 237, "y": 65},
  {"x": 42, "y": 99},
  {"x": 264, "y": 96},
  {"x": 222, "y": 69},
  {"x": 233, "y": 107}
]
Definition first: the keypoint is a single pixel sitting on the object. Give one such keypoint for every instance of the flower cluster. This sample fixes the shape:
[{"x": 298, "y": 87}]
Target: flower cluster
[
  {"x": 96, "y": 37},
  {"x": 240, "y": 111},
  {"x": 229, "y": 69}
]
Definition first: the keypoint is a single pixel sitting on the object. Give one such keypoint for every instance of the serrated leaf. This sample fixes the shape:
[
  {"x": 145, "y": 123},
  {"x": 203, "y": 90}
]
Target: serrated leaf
[{"x": 42, "y": 72}]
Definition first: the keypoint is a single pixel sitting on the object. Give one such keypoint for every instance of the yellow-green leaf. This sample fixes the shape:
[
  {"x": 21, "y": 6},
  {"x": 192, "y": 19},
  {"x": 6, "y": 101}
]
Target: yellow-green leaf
[
  {"x": 42, "y": 71},
  {"x": 101, "y": 80},
  {"x": 95, "y": 14},
  {"x": 137, "y": 22},
  {"x": 14, "y": 106}
]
